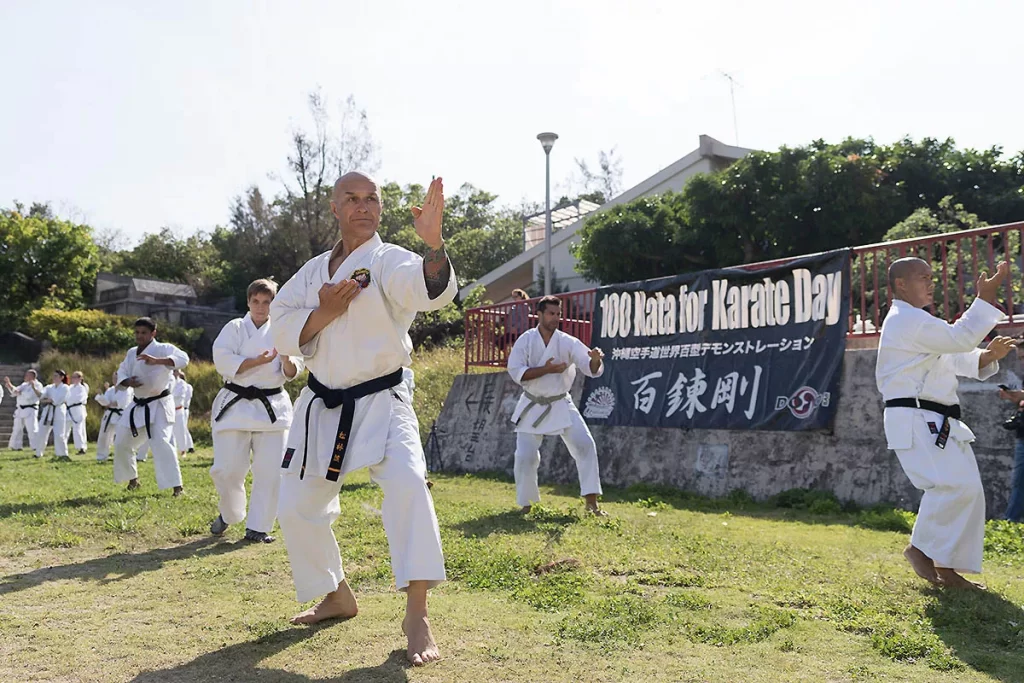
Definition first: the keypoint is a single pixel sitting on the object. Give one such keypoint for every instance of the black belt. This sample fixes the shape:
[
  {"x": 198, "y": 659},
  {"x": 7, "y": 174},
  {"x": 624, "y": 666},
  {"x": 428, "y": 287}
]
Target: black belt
[
  {"x": 346, "y": 398},
  {"x": 48, "y": 415},
  {"x": 106, "y": 418},
  {"x": 33, "y": 406},
  {"x": 144, "y": 403},
  {"x": 249, "y": 394},
  {"x": 70, "y": 406},
  {"x": 945, "y": 411}
]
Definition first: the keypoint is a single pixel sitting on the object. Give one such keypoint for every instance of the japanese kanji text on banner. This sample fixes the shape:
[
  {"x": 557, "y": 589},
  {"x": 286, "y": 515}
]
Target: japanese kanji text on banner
[{"x": 724, "y": 349}]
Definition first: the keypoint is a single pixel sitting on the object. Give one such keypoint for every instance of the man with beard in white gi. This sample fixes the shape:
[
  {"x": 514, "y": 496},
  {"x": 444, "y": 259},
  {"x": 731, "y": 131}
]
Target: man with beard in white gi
[
  {"x": 543, "y": 362},
  {"x": 149, "y": 421},
  {"x": 52, "y": 415},
  {"x": 27, "y": 394},
  {"x": 919, "y": 358},
  {"x": 250, "y": 415},
  {"x": 348, "y": 313},
  {"x": 74, "y": 425},
  {"x": 114, "y": 399}
]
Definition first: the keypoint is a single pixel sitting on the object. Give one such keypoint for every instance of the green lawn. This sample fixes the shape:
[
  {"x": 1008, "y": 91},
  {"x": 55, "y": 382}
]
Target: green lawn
[{"x": 98, "y": 584}]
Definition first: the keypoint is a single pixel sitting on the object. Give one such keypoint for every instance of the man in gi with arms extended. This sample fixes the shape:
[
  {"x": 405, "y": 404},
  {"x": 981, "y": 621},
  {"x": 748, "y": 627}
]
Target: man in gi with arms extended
[
  {"x": 347, "y": 312},
  {"x": 919, "y": 359}
]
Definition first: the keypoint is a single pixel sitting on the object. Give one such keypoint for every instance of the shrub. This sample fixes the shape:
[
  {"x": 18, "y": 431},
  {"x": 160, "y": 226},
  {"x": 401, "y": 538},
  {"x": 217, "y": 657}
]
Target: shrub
[{"x": 96, "y": 332}]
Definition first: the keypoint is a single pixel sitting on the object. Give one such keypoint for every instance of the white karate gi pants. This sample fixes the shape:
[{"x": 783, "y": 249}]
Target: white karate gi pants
[
  {"x": 179, "y": 430},
  {"x": 77, "y": 431},
  {"x": 950, "y": 526},
  {"x": 309, "y": 506},
  {"x": 581, "y": 446},
  {"x": 106, "y": 437},
  {"x": 60, "y": 445},
  {"x": 30, "y": 425},
  {"x": 189, "y": 443},
  {"x": 165, "y": 458},
  {"x": 231, "y": 449}
]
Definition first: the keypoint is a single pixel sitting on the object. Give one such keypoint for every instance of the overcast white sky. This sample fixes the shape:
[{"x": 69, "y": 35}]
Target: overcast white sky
[{"x": 135, "y": 115}]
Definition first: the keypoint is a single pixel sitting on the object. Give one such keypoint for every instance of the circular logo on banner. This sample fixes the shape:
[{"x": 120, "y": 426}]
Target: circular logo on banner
[
  {"x": 600, "y": 404},
  {"x": 803, "y": 402}
]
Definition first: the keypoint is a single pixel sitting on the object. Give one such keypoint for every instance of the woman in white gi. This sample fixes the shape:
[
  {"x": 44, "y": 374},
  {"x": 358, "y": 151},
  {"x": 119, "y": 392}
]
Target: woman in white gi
[
  {"x": 114, "y": 400},
  {"x": 26, "y": 414},
  {"x": 74, "y": 425},
  {"x": 250, "y": 415},
  {"x": 52, "y": 414},
  {"x": 919, "y": 358},
  {"x": 544, "y": 361},
  {"x": 348, "y": 313},
  {"x": 149, "y": 421}
]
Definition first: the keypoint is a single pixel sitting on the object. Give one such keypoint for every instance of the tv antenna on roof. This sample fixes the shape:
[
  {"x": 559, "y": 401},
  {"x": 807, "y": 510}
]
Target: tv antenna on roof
[{"x": 732, "y": 96}]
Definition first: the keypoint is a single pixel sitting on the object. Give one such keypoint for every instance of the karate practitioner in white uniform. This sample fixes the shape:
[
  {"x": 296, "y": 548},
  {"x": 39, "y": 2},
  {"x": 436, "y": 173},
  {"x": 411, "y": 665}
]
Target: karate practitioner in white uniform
[
  {"x": 178, "y": 392},
  {"x": 544, "y": 361},
  {"x": 114, "y": 400},
  {"x": 250, "y": 415},
  {"x": 74, "y": 425},
  {"x": 187, "y": 410},
  {"x": 919, "y": 358},
  {"x": 147, "y": 369},
  {"x": 347, "y": 312},
  {"x": 26, "y": 415},
  {"x": 52, "y": 414}
]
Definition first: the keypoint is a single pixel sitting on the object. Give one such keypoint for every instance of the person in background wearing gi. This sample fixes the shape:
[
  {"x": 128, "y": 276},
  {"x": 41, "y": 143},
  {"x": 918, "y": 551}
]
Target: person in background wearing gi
[
  {"x": 189, "y": 444},
  {"x": 250, "y": 415},
  {"x": 74, "y": 425},
  {"x": 52, "y": 415},
  {"x": 26, "y": 415},
  {"x": 919, "y": 359},
  {"x": 347, "y": 312},
  {"x": 147, "y": 369},
  {"x": 114, "y": 399},
  {"x": 543, "y": 362},
  {"x": 178, "y": 391}
]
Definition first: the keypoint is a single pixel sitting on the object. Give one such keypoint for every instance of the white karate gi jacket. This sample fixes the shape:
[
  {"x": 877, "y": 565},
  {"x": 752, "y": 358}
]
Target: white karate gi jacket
[
  {"x": 27, "y": 393},
  {"x": 77, "y": 393},
  {"x": 369, "y": 340},
  {"x": 920, "y": 356},
  {"x": 239, "y": 340},
  {"x": 154, "y": 378},
  {"x": 528, "y": 352},
  {"x": 58, "y": 394}
]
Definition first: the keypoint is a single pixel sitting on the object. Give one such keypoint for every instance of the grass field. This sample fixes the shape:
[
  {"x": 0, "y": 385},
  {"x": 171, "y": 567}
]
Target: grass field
[{"x": 98, "y": 584}]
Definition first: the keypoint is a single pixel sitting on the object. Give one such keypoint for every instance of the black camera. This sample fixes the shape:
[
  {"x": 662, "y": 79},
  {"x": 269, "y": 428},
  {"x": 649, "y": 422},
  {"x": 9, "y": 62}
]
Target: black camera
[{"x": 1015, "y": 423}]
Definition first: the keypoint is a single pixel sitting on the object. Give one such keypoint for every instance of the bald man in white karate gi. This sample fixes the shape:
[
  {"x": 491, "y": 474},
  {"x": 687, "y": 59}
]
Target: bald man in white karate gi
[
  {"x": 347, "y": 312},
  {"x": 919, "y": 359}
]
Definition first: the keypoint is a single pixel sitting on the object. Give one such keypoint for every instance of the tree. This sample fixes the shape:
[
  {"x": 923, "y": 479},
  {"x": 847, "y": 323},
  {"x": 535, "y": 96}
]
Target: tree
[
  {"x": 169, "y": 256},
  {"x": 46, "y": 262},
  {"x": 603, "y": 183},
  {"x": 799, "y": 200}
]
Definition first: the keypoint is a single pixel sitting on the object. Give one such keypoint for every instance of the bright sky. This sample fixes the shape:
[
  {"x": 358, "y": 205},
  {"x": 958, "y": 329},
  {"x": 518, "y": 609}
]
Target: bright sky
[{"x": 135, "y": 115}]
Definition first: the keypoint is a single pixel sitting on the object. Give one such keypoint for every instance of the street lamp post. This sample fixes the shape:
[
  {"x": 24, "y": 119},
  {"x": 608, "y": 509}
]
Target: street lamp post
[{"x": 547, "y": 141}]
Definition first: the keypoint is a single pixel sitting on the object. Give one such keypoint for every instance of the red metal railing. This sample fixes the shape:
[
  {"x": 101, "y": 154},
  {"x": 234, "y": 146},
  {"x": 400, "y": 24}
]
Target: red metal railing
[{"x": 958, "y": 257}]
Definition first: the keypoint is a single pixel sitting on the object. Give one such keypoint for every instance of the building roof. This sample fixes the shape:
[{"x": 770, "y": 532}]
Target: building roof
[
  {"x": 146, "y": 286},
  {"x": 708, "y": 147}
]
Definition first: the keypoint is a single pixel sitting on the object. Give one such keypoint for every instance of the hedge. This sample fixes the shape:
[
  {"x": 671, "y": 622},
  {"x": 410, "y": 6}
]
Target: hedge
[{"x": 99, "y": 333}]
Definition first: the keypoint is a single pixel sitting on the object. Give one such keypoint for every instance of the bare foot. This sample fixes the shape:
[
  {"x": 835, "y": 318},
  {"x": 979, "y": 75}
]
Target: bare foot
[
  {"x": 178, "y": 490},
  {"x": 950, "y": 579},
  {"x": 596, "y": 511},
  {"x": 922, "y": 564},
  {"x": 133, "y": 484},
  {"x": 421, "y": 648},
  {"x": 341, "y": 604},
  {"x": 526, "y": 509}
]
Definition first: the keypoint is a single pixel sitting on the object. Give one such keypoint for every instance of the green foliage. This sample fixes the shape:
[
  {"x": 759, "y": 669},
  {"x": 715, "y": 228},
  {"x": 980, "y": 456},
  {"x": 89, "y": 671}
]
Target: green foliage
[
  {"x": 609, "y": 622},
  {"x": 795, "y": 201},
  {"x": 95, "y": 332},
  {"x": 45, "y": 261}
]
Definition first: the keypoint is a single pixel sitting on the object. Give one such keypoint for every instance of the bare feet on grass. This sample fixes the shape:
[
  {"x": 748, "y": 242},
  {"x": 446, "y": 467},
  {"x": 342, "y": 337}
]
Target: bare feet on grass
[
  {"x": 922, "y": 564},
  {"x": 950, "y": 579},
  {"x": 133, "y": 484},
  {"x": 592, "y": 506},
  {"x": 341, "y": 604},
  {"x": 421, "y": 648}
]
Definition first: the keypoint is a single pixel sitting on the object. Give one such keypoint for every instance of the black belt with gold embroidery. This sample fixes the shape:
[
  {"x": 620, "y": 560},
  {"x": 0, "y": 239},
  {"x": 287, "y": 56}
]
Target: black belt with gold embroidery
[
  {"x": 346, "y": 398},
  {"x": 249, "y": 394},
  {"x": 144, "y": 403},
  {"x": 942, "y": 409}
]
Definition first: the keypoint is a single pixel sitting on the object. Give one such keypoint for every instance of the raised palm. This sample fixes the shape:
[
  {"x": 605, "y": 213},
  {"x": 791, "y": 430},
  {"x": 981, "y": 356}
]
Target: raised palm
[{"x": 427, "y": 218}]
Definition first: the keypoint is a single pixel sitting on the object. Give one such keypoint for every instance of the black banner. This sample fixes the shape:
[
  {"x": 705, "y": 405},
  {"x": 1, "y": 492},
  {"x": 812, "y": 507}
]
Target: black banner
[{"x": 723, "y": 349}]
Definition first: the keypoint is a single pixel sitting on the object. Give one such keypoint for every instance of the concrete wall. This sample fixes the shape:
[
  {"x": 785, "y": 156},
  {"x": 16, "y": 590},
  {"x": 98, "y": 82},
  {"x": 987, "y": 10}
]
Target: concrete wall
[{"x": 852, "y": 461}]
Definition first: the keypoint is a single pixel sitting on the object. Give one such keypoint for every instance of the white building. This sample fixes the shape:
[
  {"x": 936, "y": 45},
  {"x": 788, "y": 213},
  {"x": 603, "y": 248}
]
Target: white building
[{"x": 524, "y": 269}]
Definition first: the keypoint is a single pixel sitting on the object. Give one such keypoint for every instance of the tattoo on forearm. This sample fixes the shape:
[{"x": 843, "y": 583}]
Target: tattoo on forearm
[{"x": 437, "y": 270}]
